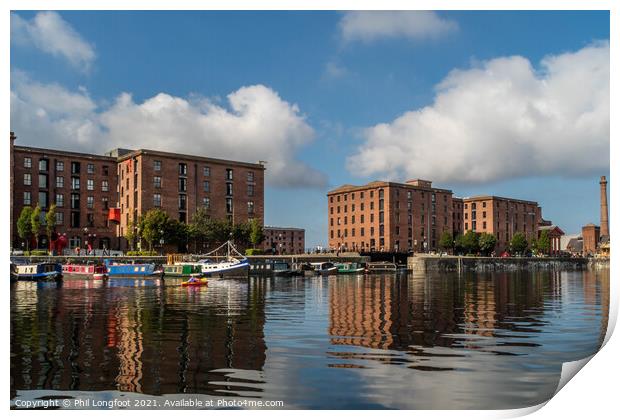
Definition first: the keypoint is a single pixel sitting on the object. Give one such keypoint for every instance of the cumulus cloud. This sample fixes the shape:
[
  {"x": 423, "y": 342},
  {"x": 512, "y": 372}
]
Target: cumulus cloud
[
  {"x": 367, "y": 26},
  {"x": 501, "y": 119},
  {"x": 50, "y": 33},
  {"x": 256, "y": 125}
]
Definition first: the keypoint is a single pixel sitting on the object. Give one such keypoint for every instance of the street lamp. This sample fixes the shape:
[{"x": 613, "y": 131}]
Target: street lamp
[{"x": 161, "y": 241}]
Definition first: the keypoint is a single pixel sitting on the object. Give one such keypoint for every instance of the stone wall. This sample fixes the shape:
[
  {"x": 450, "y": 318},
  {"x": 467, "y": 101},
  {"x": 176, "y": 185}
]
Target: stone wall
[{"x": 446, "y": 264}]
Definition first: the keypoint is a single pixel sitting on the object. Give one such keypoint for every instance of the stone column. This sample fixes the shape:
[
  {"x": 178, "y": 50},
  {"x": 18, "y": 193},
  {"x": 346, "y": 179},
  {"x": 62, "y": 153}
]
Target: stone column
[{"x": 604, "y": 210}]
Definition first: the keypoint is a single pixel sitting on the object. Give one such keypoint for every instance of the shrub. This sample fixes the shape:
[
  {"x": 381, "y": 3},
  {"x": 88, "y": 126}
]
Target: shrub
[
  {"x": 141, "y": 253},
  {"x": 253, "y": 251},
  {"x": 38, "y": 253}
]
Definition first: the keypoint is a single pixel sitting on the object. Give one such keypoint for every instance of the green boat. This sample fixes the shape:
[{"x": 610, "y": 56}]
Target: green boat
[
  {"x": 182, "y": 270},
  {"x": 350, "y": 268}
]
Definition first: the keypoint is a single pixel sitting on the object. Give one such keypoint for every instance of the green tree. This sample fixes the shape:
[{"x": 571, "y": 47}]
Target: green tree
[
  {"x": 518, "y": 243},
  {"x": 153, "y": 226},
  {"x": 130, "y": 233},
  {"x": 35, "y": 221},
  {"x": 543, "y": 244},
  {"x": 200, "y": 228},
  {"x": 469, "y": 242},
  {"x": 486, "y": 243},
  {"x": 24, "y": 225},
  {"x": 446, "y": 242},
  {"x": 257, "y": 235},
  {"x": 50, "y": 221}
]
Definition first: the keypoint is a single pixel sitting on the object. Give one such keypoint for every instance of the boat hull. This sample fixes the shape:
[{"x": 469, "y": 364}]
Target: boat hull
[
  {"x": 235, "y": 270},
  {"x": 132, "y": 270},
  {"x": 38, "y": 272}
]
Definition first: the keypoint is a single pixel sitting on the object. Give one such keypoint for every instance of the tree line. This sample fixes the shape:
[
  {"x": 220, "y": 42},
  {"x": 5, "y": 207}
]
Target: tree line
[
  {"x": 203, "y": 233},
  {"x": 484, "y": 243},
  {"x": 29, "y": 224}
]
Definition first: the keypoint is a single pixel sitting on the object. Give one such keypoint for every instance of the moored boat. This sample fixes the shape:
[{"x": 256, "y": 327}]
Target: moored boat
[
  {"x": 324, "y": 268},
  {"x": 350, "y": 268},
  {"x": 182, "y": 269},
  {"x": 195, "y": 281},
  {"x": 96, "y": 271},
  {"x": 382, "y": 266},
  {"x": 38, "y": 271},
  {"x": 281, "y": 269},
  {"x": 232, "y": 264},
  {"x": 131, "y": 269}
]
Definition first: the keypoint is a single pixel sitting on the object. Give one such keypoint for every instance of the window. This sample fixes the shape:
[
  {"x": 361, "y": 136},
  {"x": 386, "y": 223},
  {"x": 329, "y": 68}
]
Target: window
[
  {"x": 90, "y": 168},
  {"x": 75, "y": 201},
  {"x": 157, "y": 182},
  {"x": 42, "y": 199},
  {"x": 60, "y": 218},
  {"x": 60, "y": 182},
  {"x": 75, "y": 167},
  {"x": 362, "y": 194},
  {"x": 206, "y": 186},
  {"x": 90, "y": 201},
  {"x": 104, "y": 202},
  {"x": 206, "y": 171},
  {"x": 206, "y": 202},
  {"x": 484, "y": 225},
  {"x": 182, "y": 184},
  {"x": 362, "y": 218},
  {"x": 372, "y": 205},
  {"x": 229, "y": 174},
  {"x": 229, "y": 188},
  {"x": 251, "y": 191},
  {"x": 42, "y": 181},
  {"x": 27, "y": 198},
  {"x": 75, "y": 183},
  {"x": 183, "y": 169},
  {"x": 27, "y": 162},
  {"x": 90, "y": 184},
  {"x": 105, "y": 170},
  {"x": 372, "y": 217},
  {"x": 250, "y": 176},
  {"x": 60, "y": 166},
  {"x": 362, "y": 206},
  {"x": 60, "y": 200},
  {"x": 157, "y": 200},
  {"x": 27, "y": 179},
  {"x": 105, "y": 186},
  {"x": 90, "y": 219},
  {"x": 157, "y": 165},
  {"x": 251, "y": 207},
  {"x": 229, "y": 205},
  {"x": 182, "y": 202},
  {"x": 43, "y": 165}
]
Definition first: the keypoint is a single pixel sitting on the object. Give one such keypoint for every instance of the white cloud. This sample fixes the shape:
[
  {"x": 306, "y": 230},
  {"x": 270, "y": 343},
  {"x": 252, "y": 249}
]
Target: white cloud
[
  {"x": 50, "y": 33},
  {"x": 500, "y": 120},
  {"x": 257, "y": 125},
  {"x": 334, "y": 70},
  {"x": 369, "y": 26}
]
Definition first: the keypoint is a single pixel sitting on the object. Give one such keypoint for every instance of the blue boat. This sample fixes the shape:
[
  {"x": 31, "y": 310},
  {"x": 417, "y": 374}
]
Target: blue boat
[
  {"x": 131, "y": 269},
  {"x": 37, "y": 271}
]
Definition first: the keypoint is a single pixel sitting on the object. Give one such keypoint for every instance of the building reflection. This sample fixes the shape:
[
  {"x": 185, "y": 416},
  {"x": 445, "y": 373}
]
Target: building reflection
[{"x": 154, "y": 340}]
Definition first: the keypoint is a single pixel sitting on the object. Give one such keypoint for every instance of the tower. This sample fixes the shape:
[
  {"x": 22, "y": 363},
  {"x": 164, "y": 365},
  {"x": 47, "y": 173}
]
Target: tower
[{"x": 604, "y": 211}]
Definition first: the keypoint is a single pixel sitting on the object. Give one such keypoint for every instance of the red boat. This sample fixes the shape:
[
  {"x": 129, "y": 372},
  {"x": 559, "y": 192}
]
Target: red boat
[{"x": 96, "y": 271}]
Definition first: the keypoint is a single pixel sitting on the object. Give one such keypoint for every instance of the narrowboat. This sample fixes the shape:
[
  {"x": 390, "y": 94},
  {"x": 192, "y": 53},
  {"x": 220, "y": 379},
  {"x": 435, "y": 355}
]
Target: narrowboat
[
  {"x": 182, "y": 270},
  {"x": 281, "y": 268},
  {"x": 131, "y": 269},
  {"x": 96, "y": 271},
  {"x": 350, "y": 268},
  {"x": 324, "y": 268},
  {"x": 38, "y": 271},
  {"x": 382, "y": 266}
]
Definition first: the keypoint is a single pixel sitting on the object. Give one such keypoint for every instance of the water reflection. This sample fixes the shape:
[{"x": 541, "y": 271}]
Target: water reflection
[{"x": 481, "y": 340}]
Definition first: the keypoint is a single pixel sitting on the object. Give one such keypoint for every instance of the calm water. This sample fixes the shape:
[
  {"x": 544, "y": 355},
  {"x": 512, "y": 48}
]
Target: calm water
[{"x": 480, "y": 340}]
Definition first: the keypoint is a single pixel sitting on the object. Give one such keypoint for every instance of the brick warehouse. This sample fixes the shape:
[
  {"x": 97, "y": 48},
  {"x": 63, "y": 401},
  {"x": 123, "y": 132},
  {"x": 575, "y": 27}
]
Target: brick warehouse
[
  {"x": 132, "y": 181},
  {"x": 389, "y": 216},
  {"x": 284, "y": 240}
]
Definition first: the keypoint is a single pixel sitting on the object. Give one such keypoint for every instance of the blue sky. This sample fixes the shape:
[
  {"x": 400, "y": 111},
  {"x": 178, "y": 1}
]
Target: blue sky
[{"x": 329, "y": 98}]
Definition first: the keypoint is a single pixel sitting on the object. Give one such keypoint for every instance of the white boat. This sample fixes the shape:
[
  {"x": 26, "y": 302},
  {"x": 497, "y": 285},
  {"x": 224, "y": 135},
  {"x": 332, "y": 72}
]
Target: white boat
[
  {"x": 324, "y": 268},
  {"x": 231, "y": 264}
]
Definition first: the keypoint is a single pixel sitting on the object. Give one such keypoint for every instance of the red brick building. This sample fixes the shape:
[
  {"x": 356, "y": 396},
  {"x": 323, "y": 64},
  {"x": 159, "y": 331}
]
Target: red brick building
[
  {"x": 181, "y": 184},
  {"x": 284, "y": 240},
  {"x": 591, "y": 235},
  {"x": 83, "y": 187},
  {"x": 389, "y": 216},
  {"x": 502, "y": 217}
]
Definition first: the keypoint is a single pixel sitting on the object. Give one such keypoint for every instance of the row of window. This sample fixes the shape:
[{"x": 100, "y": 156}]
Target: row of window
[
  {"x": 60, "y": 182},
  {"x": 206, "y": 171},
  {"x": 60, "y": 166},
  {"x": 345, "y": 196},
  {"x": 206, "y": 203},
  {"x": 514, "y": 206},
  {"x": 60, "y": 200}
]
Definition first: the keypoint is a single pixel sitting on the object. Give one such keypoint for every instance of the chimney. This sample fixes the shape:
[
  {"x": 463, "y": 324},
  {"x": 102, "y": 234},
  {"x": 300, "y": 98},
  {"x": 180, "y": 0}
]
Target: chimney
[{"x": 604, "y": 211}]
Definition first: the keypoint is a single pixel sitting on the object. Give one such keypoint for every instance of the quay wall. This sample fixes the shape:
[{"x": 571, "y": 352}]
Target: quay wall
[{"x": 461, "y": 264}]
